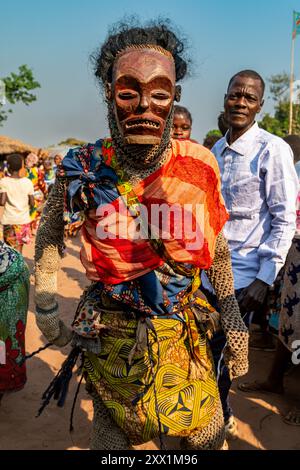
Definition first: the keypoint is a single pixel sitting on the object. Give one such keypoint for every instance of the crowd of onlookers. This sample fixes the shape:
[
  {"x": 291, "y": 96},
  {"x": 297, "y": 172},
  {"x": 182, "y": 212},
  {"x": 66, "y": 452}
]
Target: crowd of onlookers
[{"x": 25, "y": 184}]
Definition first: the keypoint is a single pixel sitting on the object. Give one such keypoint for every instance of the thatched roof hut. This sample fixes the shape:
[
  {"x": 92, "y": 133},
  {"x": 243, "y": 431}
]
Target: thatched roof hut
[{"x": 9, "y": 146}]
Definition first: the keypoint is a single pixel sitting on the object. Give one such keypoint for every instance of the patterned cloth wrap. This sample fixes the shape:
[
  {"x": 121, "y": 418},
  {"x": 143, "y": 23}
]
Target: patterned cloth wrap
[
  {"x": 73, "y": 223},
  {"x": 189, "y": 179},
  {"x": 36, "y": 176},
  {"x": 132, "y": 271},
  {"x": 147, "y": 368},
  {"x": 17, "y": 235},
  {"x": 14, "y": 293},
  {"x": 289, "y": 320}
]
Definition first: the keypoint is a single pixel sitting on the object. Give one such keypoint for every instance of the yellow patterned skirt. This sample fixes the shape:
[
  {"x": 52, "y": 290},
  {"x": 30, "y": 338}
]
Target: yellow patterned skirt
[{"x": 165, "y": 379}]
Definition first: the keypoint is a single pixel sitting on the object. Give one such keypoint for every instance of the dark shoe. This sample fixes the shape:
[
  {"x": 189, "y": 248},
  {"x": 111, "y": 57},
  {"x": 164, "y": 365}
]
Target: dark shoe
[{"x": 262, "y": 344}]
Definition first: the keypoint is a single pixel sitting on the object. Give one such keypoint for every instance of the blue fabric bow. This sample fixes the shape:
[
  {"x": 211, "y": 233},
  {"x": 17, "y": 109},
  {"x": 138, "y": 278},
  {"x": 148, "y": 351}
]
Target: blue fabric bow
[
  {"x": 92, "y": 188},
  {"x": 95, "y": 187}
]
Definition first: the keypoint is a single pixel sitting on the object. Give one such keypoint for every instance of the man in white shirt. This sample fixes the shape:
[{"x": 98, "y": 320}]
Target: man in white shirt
[
  {"x": 16, "y": 195},
  {"x": 259, "y": 186}
]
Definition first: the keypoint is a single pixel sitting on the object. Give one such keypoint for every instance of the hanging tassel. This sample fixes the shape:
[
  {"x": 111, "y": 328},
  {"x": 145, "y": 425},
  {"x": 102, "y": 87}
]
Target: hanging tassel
[
  {"x": 34, "y": 353},
  {"x": 71, "y": 428},
  {"x": 58, "y": 388}
]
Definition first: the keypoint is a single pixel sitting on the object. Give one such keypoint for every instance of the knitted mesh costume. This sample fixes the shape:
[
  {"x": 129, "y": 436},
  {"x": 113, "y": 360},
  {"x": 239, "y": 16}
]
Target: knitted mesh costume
[
  {"x": 106, "y": 435},
  {"x": 236, "y": 332},
  {"x": 209, "y": 438},
  {"x": 49, "y": 249}
]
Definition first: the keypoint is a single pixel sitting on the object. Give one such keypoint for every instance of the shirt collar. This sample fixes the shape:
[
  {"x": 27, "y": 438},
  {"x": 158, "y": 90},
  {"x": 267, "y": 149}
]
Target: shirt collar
[{"x": 243, "y": 143}]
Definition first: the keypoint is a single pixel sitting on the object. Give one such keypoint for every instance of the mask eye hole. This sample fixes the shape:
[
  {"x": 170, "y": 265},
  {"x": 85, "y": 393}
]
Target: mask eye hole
[
  {"x": 127, "y": 95},
  {"x": 160, "y": 95}
]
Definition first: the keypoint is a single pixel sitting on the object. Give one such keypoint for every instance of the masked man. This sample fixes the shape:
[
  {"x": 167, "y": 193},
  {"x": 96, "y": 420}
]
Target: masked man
[{"x": 153, "y": 219}]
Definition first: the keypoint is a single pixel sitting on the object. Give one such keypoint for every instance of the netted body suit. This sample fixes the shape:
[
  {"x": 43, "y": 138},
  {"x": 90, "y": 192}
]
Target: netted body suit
[{"x": 49, "y": 249}]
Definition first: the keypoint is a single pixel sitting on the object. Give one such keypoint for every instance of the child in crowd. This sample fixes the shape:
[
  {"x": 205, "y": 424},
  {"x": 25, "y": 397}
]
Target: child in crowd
[
  {"x": 182, "y": 123},
  {"x": 36, "y": 175},
  {"x": 49, "y": 173},
  {"x": 16, "y": 195}
]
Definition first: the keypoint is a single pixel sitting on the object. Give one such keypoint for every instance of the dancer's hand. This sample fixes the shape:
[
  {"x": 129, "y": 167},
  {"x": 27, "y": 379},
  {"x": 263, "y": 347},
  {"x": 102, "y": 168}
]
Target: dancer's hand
[
  {"x": 236, "y": 358},
  {"x": 65, "y": 335},
  {"x": 237, "y": 342},
  {"x": 53, "y": 328}
]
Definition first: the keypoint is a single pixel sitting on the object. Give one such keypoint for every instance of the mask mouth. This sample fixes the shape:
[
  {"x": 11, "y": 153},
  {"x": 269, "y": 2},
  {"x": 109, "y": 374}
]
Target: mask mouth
[{"x": 134, "y": 124}]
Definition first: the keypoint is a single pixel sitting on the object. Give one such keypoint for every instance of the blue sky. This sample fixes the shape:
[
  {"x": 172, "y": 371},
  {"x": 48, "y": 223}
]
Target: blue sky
[{"x": 56, "y": 38}]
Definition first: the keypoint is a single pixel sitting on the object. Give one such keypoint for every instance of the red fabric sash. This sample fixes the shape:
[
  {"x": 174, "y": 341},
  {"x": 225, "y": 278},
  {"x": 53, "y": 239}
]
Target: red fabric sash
[{"x": 189, "y": 182}]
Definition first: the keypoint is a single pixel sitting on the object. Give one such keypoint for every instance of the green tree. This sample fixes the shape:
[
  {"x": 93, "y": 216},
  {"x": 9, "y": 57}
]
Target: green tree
[
  {"x": 279, "y": 123},
  {"x": 279, "y": 83},
  {"x": 213, "y": 132},
  {"x": 273, "y": 125},
  {"x": 72, "y": 142},
  {"x": 18, "y": 88}
]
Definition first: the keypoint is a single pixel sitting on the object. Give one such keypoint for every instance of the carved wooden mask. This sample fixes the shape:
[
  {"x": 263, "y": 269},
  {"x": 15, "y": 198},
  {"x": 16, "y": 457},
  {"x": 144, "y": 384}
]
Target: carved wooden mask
[{"x": 143, "y": 92}]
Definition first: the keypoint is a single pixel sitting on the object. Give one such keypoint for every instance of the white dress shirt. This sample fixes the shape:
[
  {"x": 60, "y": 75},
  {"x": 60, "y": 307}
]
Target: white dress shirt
[{"x": 259, "y": 186}]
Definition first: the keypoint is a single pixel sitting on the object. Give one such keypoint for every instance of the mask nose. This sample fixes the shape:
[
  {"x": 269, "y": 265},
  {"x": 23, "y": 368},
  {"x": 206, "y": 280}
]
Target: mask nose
[{"x": 144, "y": 102}]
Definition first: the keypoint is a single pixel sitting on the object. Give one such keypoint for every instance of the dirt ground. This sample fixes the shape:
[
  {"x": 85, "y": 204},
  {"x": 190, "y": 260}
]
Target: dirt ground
[{"x": 259, "y": 416}]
